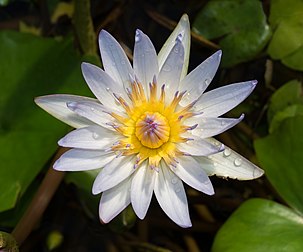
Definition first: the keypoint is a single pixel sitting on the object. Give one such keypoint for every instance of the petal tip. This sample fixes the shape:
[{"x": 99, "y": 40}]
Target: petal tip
[
  {"x": 103, "y": 33},
  {"x": 56, "y": 165},
  {"x": 184, "y": 20},
  {"x": 186, "y": 225},
  {"x": 95, "y": 190},
  {"x": 219, "y": 54},
  {"x": 84, "y": 65},
  {"x": 138, "y": 32},
  {"x": 257, "y": 173},
  {"x": 61, "y": 142},
  {"x": 103, "y": 220},
  {"x": 254, "y": 83}
]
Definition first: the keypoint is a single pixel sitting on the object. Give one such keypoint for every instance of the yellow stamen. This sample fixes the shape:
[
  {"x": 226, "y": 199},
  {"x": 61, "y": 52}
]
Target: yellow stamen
[{"x": 151, "y": 128}]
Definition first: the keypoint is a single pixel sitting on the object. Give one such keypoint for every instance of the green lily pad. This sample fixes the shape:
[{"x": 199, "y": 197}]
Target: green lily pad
[
  {"x": 286, "y": 102},
  {"x": 263, "y": 226},
  {"x": 289, "y": 94},
  {"x": 4, "y": 2},
  {"x": 287, "y": 41},
  {"x": 239, "y": 24},
  {"x": 280, "y": 155},
  {"x": 290, "y": 111},
  {"x": 31, "y": 66}
]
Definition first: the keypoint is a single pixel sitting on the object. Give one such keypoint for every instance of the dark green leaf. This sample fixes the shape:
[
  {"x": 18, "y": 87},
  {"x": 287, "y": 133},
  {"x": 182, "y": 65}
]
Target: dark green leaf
[
  {"x": 263, "y": 226},
  {"x": 4, "y": 2},
  {"x": 31, "y": 66},
  {"x": 280, "y": 155},
  {"x": 240, "y": 25},
  {"x": 287, "y": 41},
  {"x": 287, "y": 95},
  {"x": 290, "y": 111}
]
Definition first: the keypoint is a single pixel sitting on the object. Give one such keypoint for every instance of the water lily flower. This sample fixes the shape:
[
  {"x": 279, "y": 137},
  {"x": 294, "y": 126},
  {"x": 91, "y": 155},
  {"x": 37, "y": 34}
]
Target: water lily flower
[{"x": 151, "y": 126}]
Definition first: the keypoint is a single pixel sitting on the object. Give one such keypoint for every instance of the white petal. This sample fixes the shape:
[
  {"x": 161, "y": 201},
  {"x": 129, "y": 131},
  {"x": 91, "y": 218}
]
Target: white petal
[
  {"x": 145, "y": 60},
  {"x": 182, "y": 28},
  {"x": 191, "y": 172},
  {"x": 91, "y": 137},
  {"x": 229, "y": 164},
  {"x": 171, "y": 70},
  {"x": 82, "y": 160},
  {"x": 208, "y": 127},
  {"x": 114, "y": 59},
  {"x": 142, "y": 189},
  {"x": 197, "y": 146},
  {"x": 56, "y": 106},
  {"x": 171, "y": 196},
  {"x": 102, "y": 85},
  {"x": 115, "y": 200},
  {"x": 198, "y": 80},
  {"x": 94, "y": 112},
  {"x": 113, "y": 173},
  {"x": 219, "y": 101}
]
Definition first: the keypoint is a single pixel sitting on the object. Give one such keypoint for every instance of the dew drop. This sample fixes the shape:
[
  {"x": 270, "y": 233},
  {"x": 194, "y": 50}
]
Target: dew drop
[
  {"x": 122, "y": 62},
  {"x": 186, "y": 97},
  {"x": 137, "y": 37},
  {"x": 178, "y": 190},
  {"x": 226, "y": 152},
  {"x": 92, "y": 109},
  {"x": 95, "y": 135},
  {"x": 238, "y": 161},
  {"x": 107, "y": 89},
  {"x": 166, "y": 68},
  {"x": 179, "y": 37},
  {"x": 176, "y": 50},
  {"x": 174, "y": 180},
  {"x": 216, "y": 143},
  {"x": 207, "y": 81},
  {"x": 223, "y": 123}
]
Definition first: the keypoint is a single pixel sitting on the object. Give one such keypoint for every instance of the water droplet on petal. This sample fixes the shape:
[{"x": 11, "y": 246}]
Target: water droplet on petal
[
  {"x": 174, "y": 180},
  {"x": 166, "y": 68},
  {"x": 137, "y": 37},
  {"x": 226, "y": 152},
  {"x": 238, "y": 161},
  {"x": 223, "y": 123},
  {"x": 107, "y": 89},
  {"x": 92, "y": 109},
  {"x": 95, "y": 135},
  {"x": 178, "y": 190},
  {"x": 216, "y": 143},
  {"x": 207, "y": 81},
  {"x": 122, "y": 62},
  {"x": 179, "y": 37}
]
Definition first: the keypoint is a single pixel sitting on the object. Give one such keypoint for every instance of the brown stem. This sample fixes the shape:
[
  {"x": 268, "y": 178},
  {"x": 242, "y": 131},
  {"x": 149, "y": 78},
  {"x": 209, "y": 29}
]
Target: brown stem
[{"x": 40, "y": 201}]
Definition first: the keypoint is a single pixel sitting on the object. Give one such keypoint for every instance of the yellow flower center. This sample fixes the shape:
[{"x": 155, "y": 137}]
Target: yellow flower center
[{"x": 151, "y": 128}]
